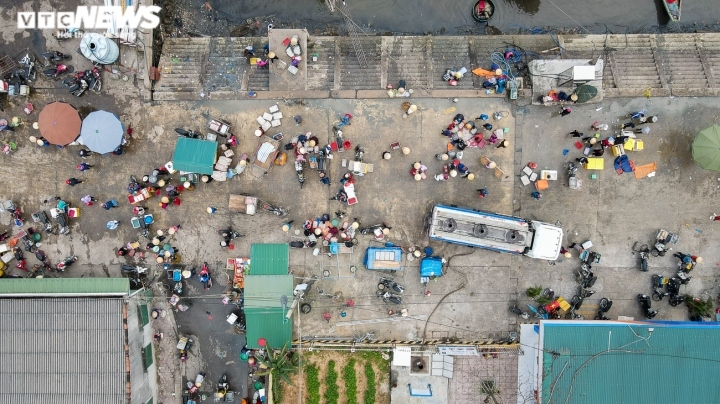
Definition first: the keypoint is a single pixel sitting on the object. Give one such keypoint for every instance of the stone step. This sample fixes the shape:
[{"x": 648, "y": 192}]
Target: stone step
[
  {"x": 321, "y": 74},
  {"x": 354, "y": 77}
]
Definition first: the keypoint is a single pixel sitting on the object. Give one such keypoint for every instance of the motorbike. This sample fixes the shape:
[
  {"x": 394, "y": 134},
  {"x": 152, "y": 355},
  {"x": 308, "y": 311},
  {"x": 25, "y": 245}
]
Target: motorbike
[
  {"x": 194, "y": 387},
  {"x": 15, "y": 82},
  {"x": 390, "y": 285},
  {"x": 133, "y": 269},
  {"x": 227, "y": 235},
  {"x": 41, "y": 217},
  {"x": 185, "y": 350},
  {"x": 585, "y": 277},
  {"x": 663, "y": 239},
  {"x": 658, "y": 285},
  {"x": 79, "y": 88},
  {"x": 388, "y": 297},
  {"x": 299, "y": 172},
  {"x": 604, "y": 307},
  {"x": 204, "y": 276},
  {"x": 303, "y": 244},
  {"x": 673, "y": 288},
  {"x": 62, "y": 266},
  {"x": 371, "y": 229},
  {"x": 515, "y": 310},
  {"x": 20, "y": 257},
  {"x": 189, "y": 134},
  {"x": 575, "y": 304},
  {"x": 222, "y": 387},
  {"x": 646, "y": 305},
  {"x": 17, "y": 217},
  {"x": 57, "y": 71},
  {"x": 62, "y": 220},
  {"x": 56, "y": 57},
  {"x": 644, "y": 253},
  {"x": 278, "y": 211},
  {"x": 29, "y": 71},
  {"x": 42, "y": 257}
]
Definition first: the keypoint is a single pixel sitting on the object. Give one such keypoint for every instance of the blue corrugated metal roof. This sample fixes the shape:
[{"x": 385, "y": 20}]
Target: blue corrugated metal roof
[
  {"x": 268, "y": 323},
  {"x": 612, "y": 362},
  {"x": 269, "y": 259}
]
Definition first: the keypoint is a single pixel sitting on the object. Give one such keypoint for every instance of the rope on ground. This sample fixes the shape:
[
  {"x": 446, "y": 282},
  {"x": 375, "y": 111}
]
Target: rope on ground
[
  {"x": 568, "y": 16},
  {"x": 427, "y": 320}
]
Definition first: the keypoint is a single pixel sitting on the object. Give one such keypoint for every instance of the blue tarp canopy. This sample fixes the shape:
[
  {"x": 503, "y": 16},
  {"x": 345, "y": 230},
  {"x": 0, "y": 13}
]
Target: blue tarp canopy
[
  {"x": 194, "y": 155},
  {"x": 387, "y": 258},
  {"x": 431, "y": 266}
]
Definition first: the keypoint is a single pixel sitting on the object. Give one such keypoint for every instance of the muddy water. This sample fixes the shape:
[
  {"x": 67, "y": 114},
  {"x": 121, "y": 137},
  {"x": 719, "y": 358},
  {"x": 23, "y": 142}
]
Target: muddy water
[{"x": 453, "y": 16}]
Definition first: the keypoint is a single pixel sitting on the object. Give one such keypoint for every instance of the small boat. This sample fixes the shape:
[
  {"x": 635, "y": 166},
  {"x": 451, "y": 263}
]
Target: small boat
[
  {"x": 483, "y": 10},
  {"x": 673, "y": 9}
]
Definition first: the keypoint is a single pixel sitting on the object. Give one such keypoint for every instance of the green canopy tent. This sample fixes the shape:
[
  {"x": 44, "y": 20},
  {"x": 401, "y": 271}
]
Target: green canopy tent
[
  {"x": 195, "y": 155},
  {"x": 706, "y": 148}
]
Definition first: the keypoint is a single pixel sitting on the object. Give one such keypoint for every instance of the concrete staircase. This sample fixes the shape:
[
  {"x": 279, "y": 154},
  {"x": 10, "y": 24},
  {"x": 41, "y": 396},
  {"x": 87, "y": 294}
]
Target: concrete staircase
[
  {"x": 321, "y": 74},
  {"x": 406, "y": 58},
  {"x": 352, "y": 76},
  {"x": 182, "y": 67},
  {"x": 679, "y": 64},
  {"x": 450, "y": 53}
]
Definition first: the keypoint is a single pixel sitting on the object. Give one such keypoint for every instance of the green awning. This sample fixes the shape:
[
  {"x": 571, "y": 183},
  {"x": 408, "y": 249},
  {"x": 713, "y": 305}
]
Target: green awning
[
  {"x": 269, "y": 259},
  {"x": 267, "y": 290},
  {"x": 268, "y": 323},
  {"x": 194, "y": 155},
  {"x": 48, "y": 287}
]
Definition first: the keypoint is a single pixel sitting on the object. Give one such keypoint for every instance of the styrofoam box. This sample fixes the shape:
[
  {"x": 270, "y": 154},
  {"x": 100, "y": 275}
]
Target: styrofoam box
[
  {"x": 268, "y": 117},
  {"x": 260, "y": 120},
  {"x": 277, "y": 115},
  {"x": 266, "y": 125},
  {"x": 274, "y": 109},
  {"x": 275, "y": 123}
]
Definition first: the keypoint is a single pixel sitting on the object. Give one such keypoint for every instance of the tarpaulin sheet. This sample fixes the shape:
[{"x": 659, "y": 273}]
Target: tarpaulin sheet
[{"x": 194, "y": 155}]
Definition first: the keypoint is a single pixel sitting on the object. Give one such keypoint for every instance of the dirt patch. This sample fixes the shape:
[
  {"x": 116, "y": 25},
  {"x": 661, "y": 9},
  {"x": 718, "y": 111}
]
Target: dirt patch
[{"x": 322, "y": 359}]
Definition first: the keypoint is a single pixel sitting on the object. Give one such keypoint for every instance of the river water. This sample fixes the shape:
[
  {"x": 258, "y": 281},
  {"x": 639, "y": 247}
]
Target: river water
[{"x": 452, "y": 17}]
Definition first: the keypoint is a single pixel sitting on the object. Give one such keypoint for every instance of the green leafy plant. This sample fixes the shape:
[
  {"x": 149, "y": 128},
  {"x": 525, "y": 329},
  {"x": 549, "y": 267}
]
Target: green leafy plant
[
  {"x": 312, "y": 374},
  {"x": 534, "y": 292},
  {"x": 280, "y": 364},
  {"x": 331, "y": 390},
  {"x": 698, "y": 307},
  {"x": 350, "y": 379},
  {"x": 369, "y": 397}
]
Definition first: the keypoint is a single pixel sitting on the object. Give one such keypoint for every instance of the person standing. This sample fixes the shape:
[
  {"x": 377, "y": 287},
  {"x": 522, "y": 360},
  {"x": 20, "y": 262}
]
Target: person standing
[
  {"x": 715, "y": 218},
  {"x": 85, "y": 153},
  {"x": 73, "y": 181},
  {"x": 537, "y": 195},
  {"x": 565, "y": 111},
  {"x": 483, "y": 192},
  {"x": 88, "y": 200},
  {"x": 575, "y": 133},
  {"x": 83, "y": 167},
  {"x": 502, "y": 144}
]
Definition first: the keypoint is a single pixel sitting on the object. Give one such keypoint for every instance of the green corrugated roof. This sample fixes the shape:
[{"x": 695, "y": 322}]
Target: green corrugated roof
[
  {"x": 269, "y": 259},
  {"x": 624, "y": 363},
  {"x": 64, "y": 286},
  {"x": 266, "y": 290},
  {"x": 268, "y": 323},
  {"x": 194, "y": 155}
]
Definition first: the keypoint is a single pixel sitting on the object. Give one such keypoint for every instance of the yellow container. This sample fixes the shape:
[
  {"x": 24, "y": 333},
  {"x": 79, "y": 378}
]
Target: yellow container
[
  {"x": 638, "y": 144},
  {"x": 618, "y": 150},
  {"x": 630, "y": 144},
  {"x": 564, "y": 305},
  {"x": 595, "y": 163}
]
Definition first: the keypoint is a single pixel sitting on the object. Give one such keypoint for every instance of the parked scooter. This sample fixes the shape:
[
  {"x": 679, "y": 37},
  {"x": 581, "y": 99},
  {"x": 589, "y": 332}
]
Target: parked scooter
[
  {"x": 133, "y": 269},
  {"x": 278, "y": 211},
  {"x": 17, "y": 217},
  {"x": 189, "y": 134},
  {"x": 663, "y": 239},
  {"x": 62, "y": 220},
  {"x": 644, "y": 253},
  {"x": 42, "y": 257},
  {"x": 222, "y": 388},
  {"x": 184, "y": 352},
  {"x": 515, "y": 310},
  {"x": 228, "y": 235},
  {"x": 28, "y": 64},
  {"x": 56, "y": 57},
  {"x": 371, "y": 229},
  {"x": 62, "y": 266},
  {"x": 20, "y": 257},
  {"x": 57, "y": 71},
  {"x": 41, "y": 217},
  {"x": 204, "y": 276},
  {"x": 605, "y": 305},
  {"x": 299, "y": 172},
  {"x": 389, "y": 297},
  {"x": 646, "y": 305},
  {"x": 390, "y": 285},
  {"x": 194, "y": 387},
  {"x": 658, "y": 285},
  {"x": 303, "y": 244}
]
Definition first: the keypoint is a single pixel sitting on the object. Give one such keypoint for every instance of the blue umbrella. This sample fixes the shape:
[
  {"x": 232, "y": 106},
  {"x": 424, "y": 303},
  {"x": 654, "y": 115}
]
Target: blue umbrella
[{"x": 102, "y": 132}]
